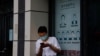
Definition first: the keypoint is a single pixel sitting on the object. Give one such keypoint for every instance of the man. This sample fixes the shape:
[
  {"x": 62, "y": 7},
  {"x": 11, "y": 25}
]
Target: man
[{"x": 46, "y": 46}]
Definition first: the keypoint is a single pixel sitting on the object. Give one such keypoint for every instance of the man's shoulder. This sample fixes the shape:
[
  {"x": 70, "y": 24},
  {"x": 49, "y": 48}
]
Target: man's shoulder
[
  {"x": 52, "y": 37},
  {"x": 38, "y": 41}
]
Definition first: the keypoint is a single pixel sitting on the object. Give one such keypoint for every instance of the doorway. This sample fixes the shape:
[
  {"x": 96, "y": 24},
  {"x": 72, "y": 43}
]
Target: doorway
[
  {"x": 6, "y": 34},
  {"x": 93, "y": 28},
  {"x": 6, "y": 27}
]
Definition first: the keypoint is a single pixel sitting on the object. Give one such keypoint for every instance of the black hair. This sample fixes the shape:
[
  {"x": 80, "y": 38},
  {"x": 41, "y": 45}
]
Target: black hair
[{"x": 42, "y": 29}]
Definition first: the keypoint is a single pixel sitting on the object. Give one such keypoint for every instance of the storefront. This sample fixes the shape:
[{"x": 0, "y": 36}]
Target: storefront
[{"x": 75, "y": 23}]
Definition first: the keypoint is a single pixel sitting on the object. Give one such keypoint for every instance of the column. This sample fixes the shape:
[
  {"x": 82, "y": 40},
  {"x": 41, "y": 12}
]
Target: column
[
  {"x": 19, "y": 28},
  {"x": 36, "y": 14},
  {"x": 28, "y": 16},
  {"x": 15, "y": 28}
]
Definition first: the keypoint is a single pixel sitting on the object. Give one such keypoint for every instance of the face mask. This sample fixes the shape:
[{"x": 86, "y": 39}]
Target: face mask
[{"x": 44, "y": 37}]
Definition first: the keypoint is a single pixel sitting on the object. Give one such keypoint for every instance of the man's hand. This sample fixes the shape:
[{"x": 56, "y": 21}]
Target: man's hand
[{"x": 43, "y": 45}]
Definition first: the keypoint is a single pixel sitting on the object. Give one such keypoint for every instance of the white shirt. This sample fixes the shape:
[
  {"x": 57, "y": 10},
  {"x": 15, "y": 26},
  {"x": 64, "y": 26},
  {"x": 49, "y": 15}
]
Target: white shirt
[{"x": 47, "y": 51}]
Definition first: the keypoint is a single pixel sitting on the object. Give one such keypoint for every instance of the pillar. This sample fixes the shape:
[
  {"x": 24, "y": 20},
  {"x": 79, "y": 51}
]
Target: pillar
[{"x": 36, "y": 14}]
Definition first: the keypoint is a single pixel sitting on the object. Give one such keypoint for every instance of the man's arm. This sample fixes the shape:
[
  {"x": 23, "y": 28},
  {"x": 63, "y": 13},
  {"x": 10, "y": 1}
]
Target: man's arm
[
  {"x": 41, "y": 49},
  {"x": 47, "y": 45},
  {"x": 55, "y": 49},
  {"x": 55, "y": 46},
  {"x": 40, "y": 52}
]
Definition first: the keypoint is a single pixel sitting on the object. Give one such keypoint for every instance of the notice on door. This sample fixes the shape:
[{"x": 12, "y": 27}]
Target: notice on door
[
  {"x": 10, "y": 34},
  {"x": 67, "y": 24}
]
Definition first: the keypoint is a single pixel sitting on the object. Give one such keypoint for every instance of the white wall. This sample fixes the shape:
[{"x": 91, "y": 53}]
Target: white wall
[
  {"x": 15, "y": 28},
  {"x": 39, "y": 5}
]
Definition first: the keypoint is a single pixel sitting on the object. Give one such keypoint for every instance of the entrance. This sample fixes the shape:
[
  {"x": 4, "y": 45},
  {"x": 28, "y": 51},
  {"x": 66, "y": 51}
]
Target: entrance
[
  {"x": 6, "y": 34},
  {"x": 93, "y": 28},
  {"x": 6, "y": 27}
]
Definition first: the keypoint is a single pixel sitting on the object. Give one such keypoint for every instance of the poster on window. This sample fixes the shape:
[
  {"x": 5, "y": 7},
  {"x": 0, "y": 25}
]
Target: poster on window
[
  {"x": 67, "y": 26},
  {"x": 10, "y": 34}
]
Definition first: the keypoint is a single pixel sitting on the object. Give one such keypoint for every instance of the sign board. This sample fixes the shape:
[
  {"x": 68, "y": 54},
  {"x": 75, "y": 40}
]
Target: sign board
[
  {"x": 10, "y": 34},
  {"x": 67, "y": 26}
]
